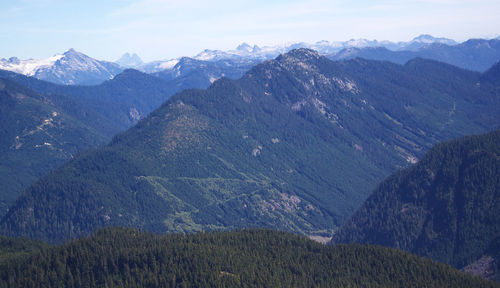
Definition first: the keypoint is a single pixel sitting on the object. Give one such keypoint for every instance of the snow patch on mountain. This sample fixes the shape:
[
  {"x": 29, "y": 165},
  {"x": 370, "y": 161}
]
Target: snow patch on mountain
[
  {"x": 69, "y": 68},
  {"x": 74, "y": 67},
  {"x": 324, "y": 47},
  {"x": 424, "y": 40},
  {"x": 157, "y": 66},
  {"x": 28, "y": 67},
  {"x": 168, "y": 64}
]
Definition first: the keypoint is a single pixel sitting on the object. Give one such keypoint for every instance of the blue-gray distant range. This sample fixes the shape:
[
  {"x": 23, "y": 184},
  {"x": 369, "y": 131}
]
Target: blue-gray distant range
[{"x": 75, "y": 68}]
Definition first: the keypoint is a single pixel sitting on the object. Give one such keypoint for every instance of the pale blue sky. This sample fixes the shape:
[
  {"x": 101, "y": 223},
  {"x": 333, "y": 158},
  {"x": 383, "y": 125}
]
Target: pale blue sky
[{"x": 162, "y": 29}]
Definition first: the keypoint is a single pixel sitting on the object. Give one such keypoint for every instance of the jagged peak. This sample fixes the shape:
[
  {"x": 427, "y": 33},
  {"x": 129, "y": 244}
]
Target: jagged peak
[
  {"x": 14, "y": 60},
  {"x": 300, "y": 54},
  {"x": 244, "y": 47},
  {"x": 71, "y": 51},
  {"x": 129, "y": 60},
  {"x": 302, "y": 58}
]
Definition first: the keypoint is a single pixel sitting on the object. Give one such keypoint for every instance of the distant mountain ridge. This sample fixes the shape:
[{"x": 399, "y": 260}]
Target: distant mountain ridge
[
  {"x": 474, "y": 54},
  {"x": 247, "y": 53},
  {"x": 424, "y": 46},
  {"x": 422, "y": 41},
  {"x": 254, "y": 54},
  {"x": 194, "y": 73},
  {"x": 69, "y": 68},
  {"x": 129, "y": 61},
  {"x": 75, "y": 68},
  {"x": 323, "y": 47}
]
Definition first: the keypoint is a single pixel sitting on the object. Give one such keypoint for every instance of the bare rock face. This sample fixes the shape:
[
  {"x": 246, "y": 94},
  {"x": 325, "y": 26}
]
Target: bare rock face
[{"x": 483, "y": 267}]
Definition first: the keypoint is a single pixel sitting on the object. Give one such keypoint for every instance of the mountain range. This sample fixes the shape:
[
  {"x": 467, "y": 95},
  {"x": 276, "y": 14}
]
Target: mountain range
[
  {"x": 228, "y": 140},
  {"x": 474, "y": 54},
  {"x": 106, "y": 109},
  {"x": 193, "y": 73},
  {"x": 296, "y": 144},
  {"x": 76, "y": 68},
  {"x": 447, "y": 207},
  {"x": 323, "y": 47},
  {"x": 245, "y": 56}
]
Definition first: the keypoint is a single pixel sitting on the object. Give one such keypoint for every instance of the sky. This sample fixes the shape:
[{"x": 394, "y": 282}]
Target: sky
[{"x": 165, "y": 29}]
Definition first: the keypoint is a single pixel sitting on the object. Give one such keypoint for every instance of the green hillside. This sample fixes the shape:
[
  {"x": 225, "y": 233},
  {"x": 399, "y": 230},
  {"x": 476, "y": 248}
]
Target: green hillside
[
  {"x": 35, "y": 136},
  {"x": 447, "y": 207},
  {"x": 296, "y": 144},
  {"x": 87, "y": 117},
  {"x": 110, "y": 107},
  {"x": 17, "y": 249},
  {"x": 250, "y": 258}
]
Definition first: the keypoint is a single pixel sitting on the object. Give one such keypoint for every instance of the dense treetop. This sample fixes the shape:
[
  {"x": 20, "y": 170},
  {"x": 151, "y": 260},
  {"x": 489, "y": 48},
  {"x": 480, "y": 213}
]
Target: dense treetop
[{"x": 249, "y": 258}]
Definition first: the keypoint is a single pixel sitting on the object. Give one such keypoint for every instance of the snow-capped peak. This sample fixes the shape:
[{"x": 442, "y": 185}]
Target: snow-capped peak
[
  {"x": 424, "y": 38},
  {"x": 428, "y": 39},
  {"x": 244, "y": 47},
  {"x": 357, "y": 43},
  {"x": 70, "y": 67},
  {"x": 168, "y": 64},
  {"x": 71, "y": 51},
  {"x": 28, "y": 67},
  {"x": 207, "y": 55},
  {"x": 245, "y": 50}
]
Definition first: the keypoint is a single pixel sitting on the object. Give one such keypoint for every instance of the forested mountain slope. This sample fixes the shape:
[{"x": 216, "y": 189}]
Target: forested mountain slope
[
  {"x": 296, "y": 144},
  {"x": 447, "y": 207},
  {"x": 36, "y": 135},
  {"x": 106, "y": 109},
  {"x": 45, "y": 124}
]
